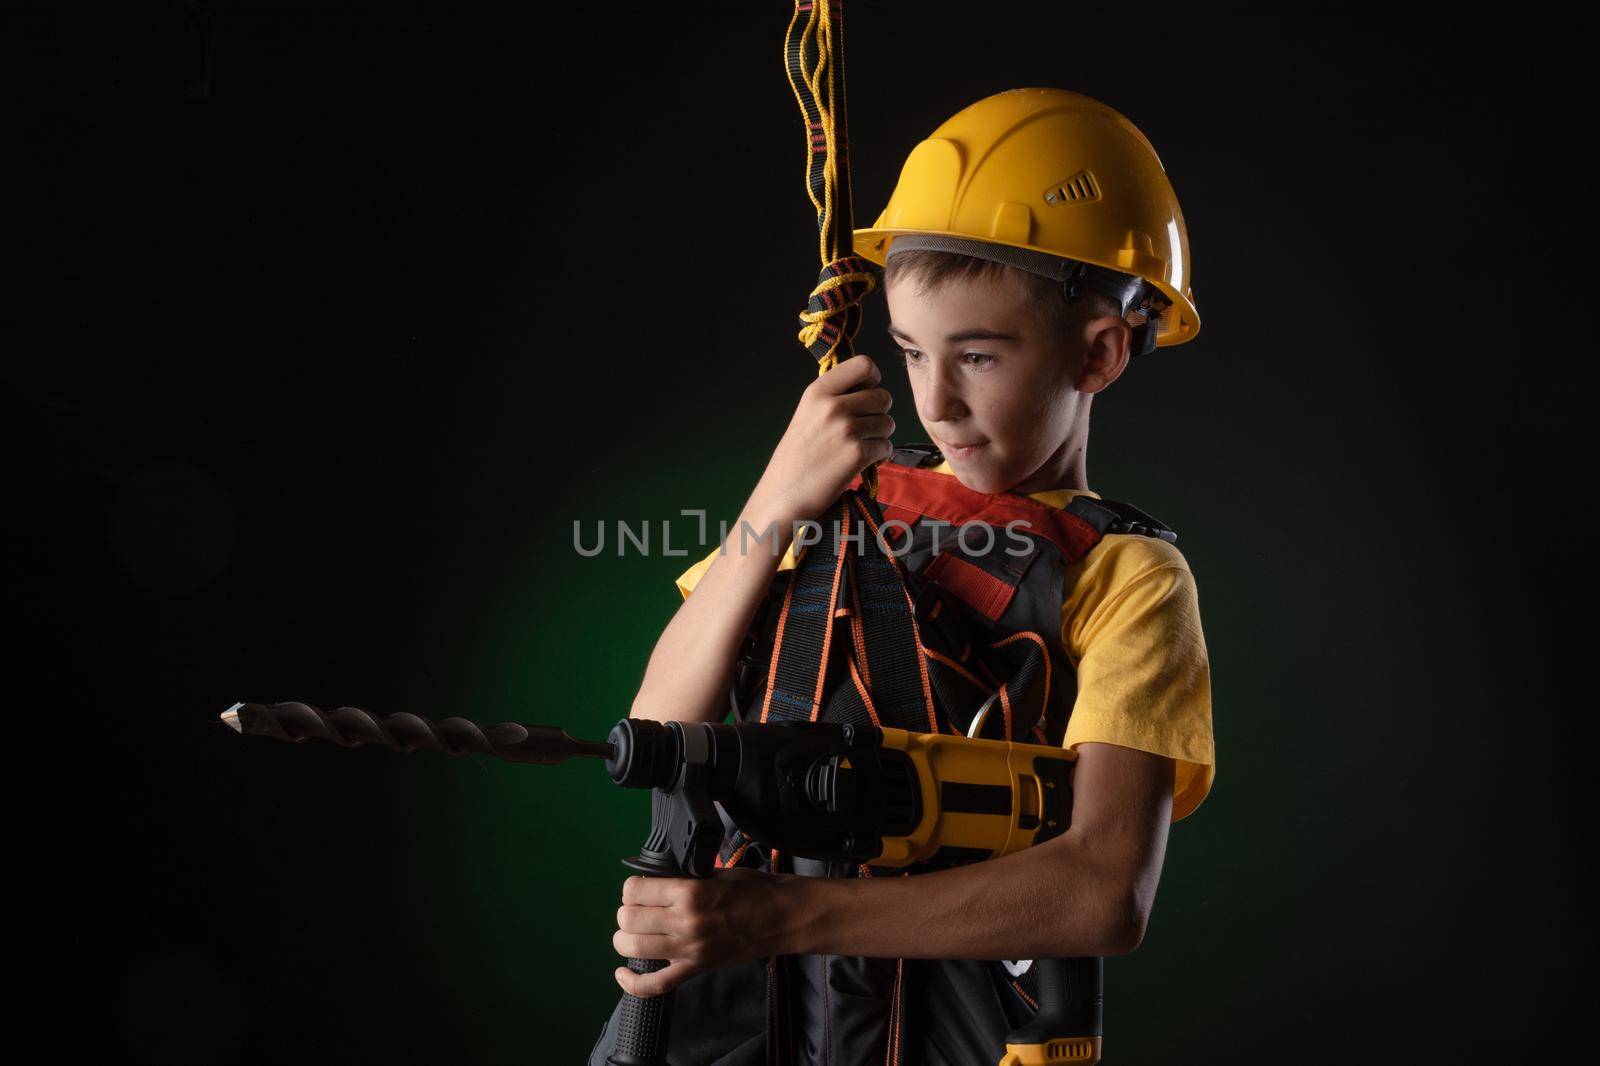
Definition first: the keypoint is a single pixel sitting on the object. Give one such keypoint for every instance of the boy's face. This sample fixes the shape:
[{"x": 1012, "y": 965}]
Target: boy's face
[{"x": 986, "y": 373}]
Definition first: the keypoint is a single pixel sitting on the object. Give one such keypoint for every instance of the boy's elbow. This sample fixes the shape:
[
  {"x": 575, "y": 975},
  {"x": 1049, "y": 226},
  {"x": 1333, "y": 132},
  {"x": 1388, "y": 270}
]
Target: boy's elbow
[
  {"x": 1127, "y": 919},
  {"x": 1128, "y": 936}
]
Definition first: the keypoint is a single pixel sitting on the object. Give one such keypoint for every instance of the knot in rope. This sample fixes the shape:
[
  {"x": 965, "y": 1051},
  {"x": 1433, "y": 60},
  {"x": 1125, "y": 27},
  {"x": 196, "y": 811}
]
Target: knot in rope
[{"x": 833, "y": 312}]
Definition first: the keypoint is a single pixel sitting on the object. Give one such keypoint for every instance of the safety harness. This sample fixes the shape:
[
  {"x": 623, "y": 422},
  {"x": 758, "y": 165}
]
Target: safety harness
[{"x": 933, "y": 608}]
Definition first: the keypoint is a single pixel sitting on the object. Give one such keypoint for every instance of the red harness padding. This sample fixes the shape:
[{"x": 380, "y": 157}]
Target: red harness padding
[{"x": 915, "y": 610}]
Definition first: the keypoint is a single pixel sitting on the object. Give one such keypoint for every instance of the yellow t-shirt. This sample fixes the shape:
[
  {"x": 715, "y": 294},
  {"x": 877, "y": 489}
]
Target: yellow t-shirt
[{"x": 1130, "y": 625}]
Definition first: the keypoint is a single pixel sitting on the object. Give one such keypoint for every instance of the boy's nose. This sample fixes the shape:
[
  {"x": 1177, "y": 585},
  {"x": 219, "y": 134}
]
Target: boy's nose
[{"x": 941, "y": 399}]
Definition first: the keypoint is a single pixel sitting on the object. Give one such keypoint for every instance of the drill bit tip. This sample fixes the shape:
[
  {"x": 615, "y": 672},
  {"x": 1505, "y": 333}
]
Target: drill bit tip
[{"x": 352, "y": 727}]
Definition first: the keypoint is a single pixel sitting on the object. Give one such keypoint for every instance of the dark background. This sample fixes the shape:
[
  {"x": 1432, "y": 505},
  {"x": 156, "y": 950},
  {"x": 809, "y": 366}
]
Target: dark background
[{"x": 313, "y": 361}]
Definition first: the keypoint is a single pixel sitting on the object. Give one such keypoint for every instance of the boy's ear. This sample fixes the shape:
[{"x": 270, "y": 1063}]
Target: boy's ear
[{"x": 1108, "y": 345}]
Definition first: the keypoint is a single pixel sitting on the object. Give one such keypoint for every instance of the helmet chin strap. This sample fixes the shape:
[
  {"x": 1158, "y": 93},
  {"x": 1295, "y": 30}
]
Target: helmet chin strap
[
  {"x": 1131, "y": 294},
  {"x": 1151, "y": 304}
]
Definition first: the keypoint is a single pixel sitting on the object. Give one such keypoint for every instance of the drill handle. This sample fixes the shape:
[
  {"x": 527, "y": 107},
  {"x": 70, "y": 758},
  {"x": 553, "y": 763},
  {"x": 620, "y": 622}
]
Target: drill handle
[
  {"x": 643, "y": 1024},
  {"x": 685, "y": 832},
  {"x": 1068, "y": 1025}
]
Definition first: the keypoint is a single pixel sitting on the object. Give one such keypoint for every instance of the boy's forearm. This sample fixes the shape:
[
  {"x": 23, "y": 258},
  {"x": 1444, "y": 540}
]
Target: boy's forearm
[
  {"x": 1053, "y": 900},
  {"x": 692, "y": 665}
]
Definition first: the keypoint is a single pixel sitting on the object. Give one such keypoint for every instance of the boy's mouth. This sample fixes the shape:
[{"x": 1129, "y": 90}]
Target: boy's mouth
[{"x": 961, "y": 450}]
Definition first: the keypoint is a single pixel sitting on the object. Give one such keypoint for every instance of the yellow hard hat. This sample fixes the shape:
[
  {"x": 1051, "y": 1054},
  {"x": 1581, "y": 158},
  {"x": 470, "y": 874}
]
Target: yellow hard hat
[{"x": 1032, "y": 177}]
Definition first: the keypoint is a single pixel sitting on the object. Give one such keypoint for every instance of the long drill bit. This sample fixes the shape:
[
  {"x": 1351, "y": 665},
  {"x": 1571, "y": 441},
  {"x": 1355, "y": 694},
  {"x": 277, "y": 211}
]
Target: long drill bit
[{"x": 351, "y": 727}]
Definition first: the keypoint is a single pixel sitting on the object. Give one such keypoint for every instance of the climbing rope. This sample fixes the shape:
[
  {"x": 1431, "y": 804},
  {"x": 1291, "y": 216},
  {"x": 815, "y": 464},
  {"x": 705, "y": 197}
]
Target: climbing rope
[{"x": 813, "y": 52}]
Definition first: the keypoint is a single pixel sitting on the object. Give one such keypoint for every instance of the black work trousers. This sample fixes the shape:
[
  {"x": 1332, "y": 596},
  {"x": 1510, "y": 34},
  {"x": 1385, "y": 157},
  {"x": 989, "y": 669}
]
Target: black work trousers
[{"x": 957, "y": 1014}]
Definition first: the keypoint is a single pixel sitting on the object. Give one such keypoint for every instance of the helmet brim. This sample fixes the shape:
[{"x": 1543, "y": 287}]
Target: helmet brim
[{"x": 1180, "y": 322}]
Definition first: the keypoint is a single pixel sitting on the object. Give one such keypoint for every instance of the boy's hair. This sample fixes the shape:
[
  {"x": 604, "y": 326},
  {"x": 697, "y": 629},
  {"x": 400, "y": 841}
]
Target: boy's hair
[{"x": 928, "y": 269}]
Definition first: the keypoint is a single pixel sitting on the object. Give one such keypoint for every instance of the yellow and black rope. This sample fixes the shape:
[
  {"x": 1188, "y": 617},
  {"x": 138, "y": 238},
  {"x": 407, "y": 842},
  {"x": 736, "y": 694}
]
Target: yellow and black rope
[{"x": 813, "y": 51}]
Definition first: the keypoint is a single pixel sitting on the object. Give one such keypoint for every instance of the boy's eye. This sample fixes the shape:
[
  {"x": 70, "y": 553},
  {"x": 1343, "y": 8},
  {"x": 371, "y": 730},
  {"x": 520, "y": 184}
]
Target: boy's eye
[{"x": 976, "y": 360}]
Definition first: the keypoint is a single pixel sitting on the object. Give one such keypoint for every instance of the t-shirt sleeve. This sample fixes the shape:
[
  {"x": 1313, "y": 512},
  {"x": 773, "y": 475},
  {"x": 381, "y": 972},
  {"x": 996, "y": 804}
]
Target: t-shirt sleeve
[
  {"x": 1144, "y": 678},
  {"x": 691, "y": 577}
]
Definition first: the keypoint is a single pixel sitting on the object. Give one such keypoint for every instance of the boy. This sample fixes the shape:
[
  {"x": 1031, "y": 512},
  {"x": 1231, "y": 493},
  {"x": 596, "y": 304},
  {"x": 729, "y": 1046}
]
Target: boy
[{"x": 1006, "y": 336}]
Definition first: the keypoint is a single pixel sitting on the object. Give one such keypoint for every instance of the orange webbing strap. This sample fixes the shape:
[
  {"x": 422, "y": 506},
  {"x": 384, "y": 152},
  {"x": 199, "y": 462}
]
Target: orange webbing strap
[
  {"x": 893, "y": 1052},
  {"x": 802, "y": 642},
  {"x": 813, "y": 55},
  {"x": 887, "y": 637},
  {"x": 882, "y": 628},
  {"x": 777, "y": 997}
]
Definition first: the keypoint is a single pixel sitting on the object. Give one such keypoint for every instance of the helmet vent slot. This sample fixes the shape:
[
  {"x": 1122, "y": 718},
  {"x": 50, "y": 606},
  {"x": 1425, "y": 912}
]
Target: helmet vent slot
[{"x": 1079, "y": 188}]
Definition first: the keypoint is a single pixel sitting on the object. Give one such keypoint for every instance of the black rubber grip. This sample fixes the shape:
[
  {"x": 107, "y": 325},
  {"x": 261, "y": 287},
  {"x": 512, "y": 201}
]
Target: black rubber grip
[
  {"x": 644, "y": 1023},
  {"x": 1071, "y": 992}
]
